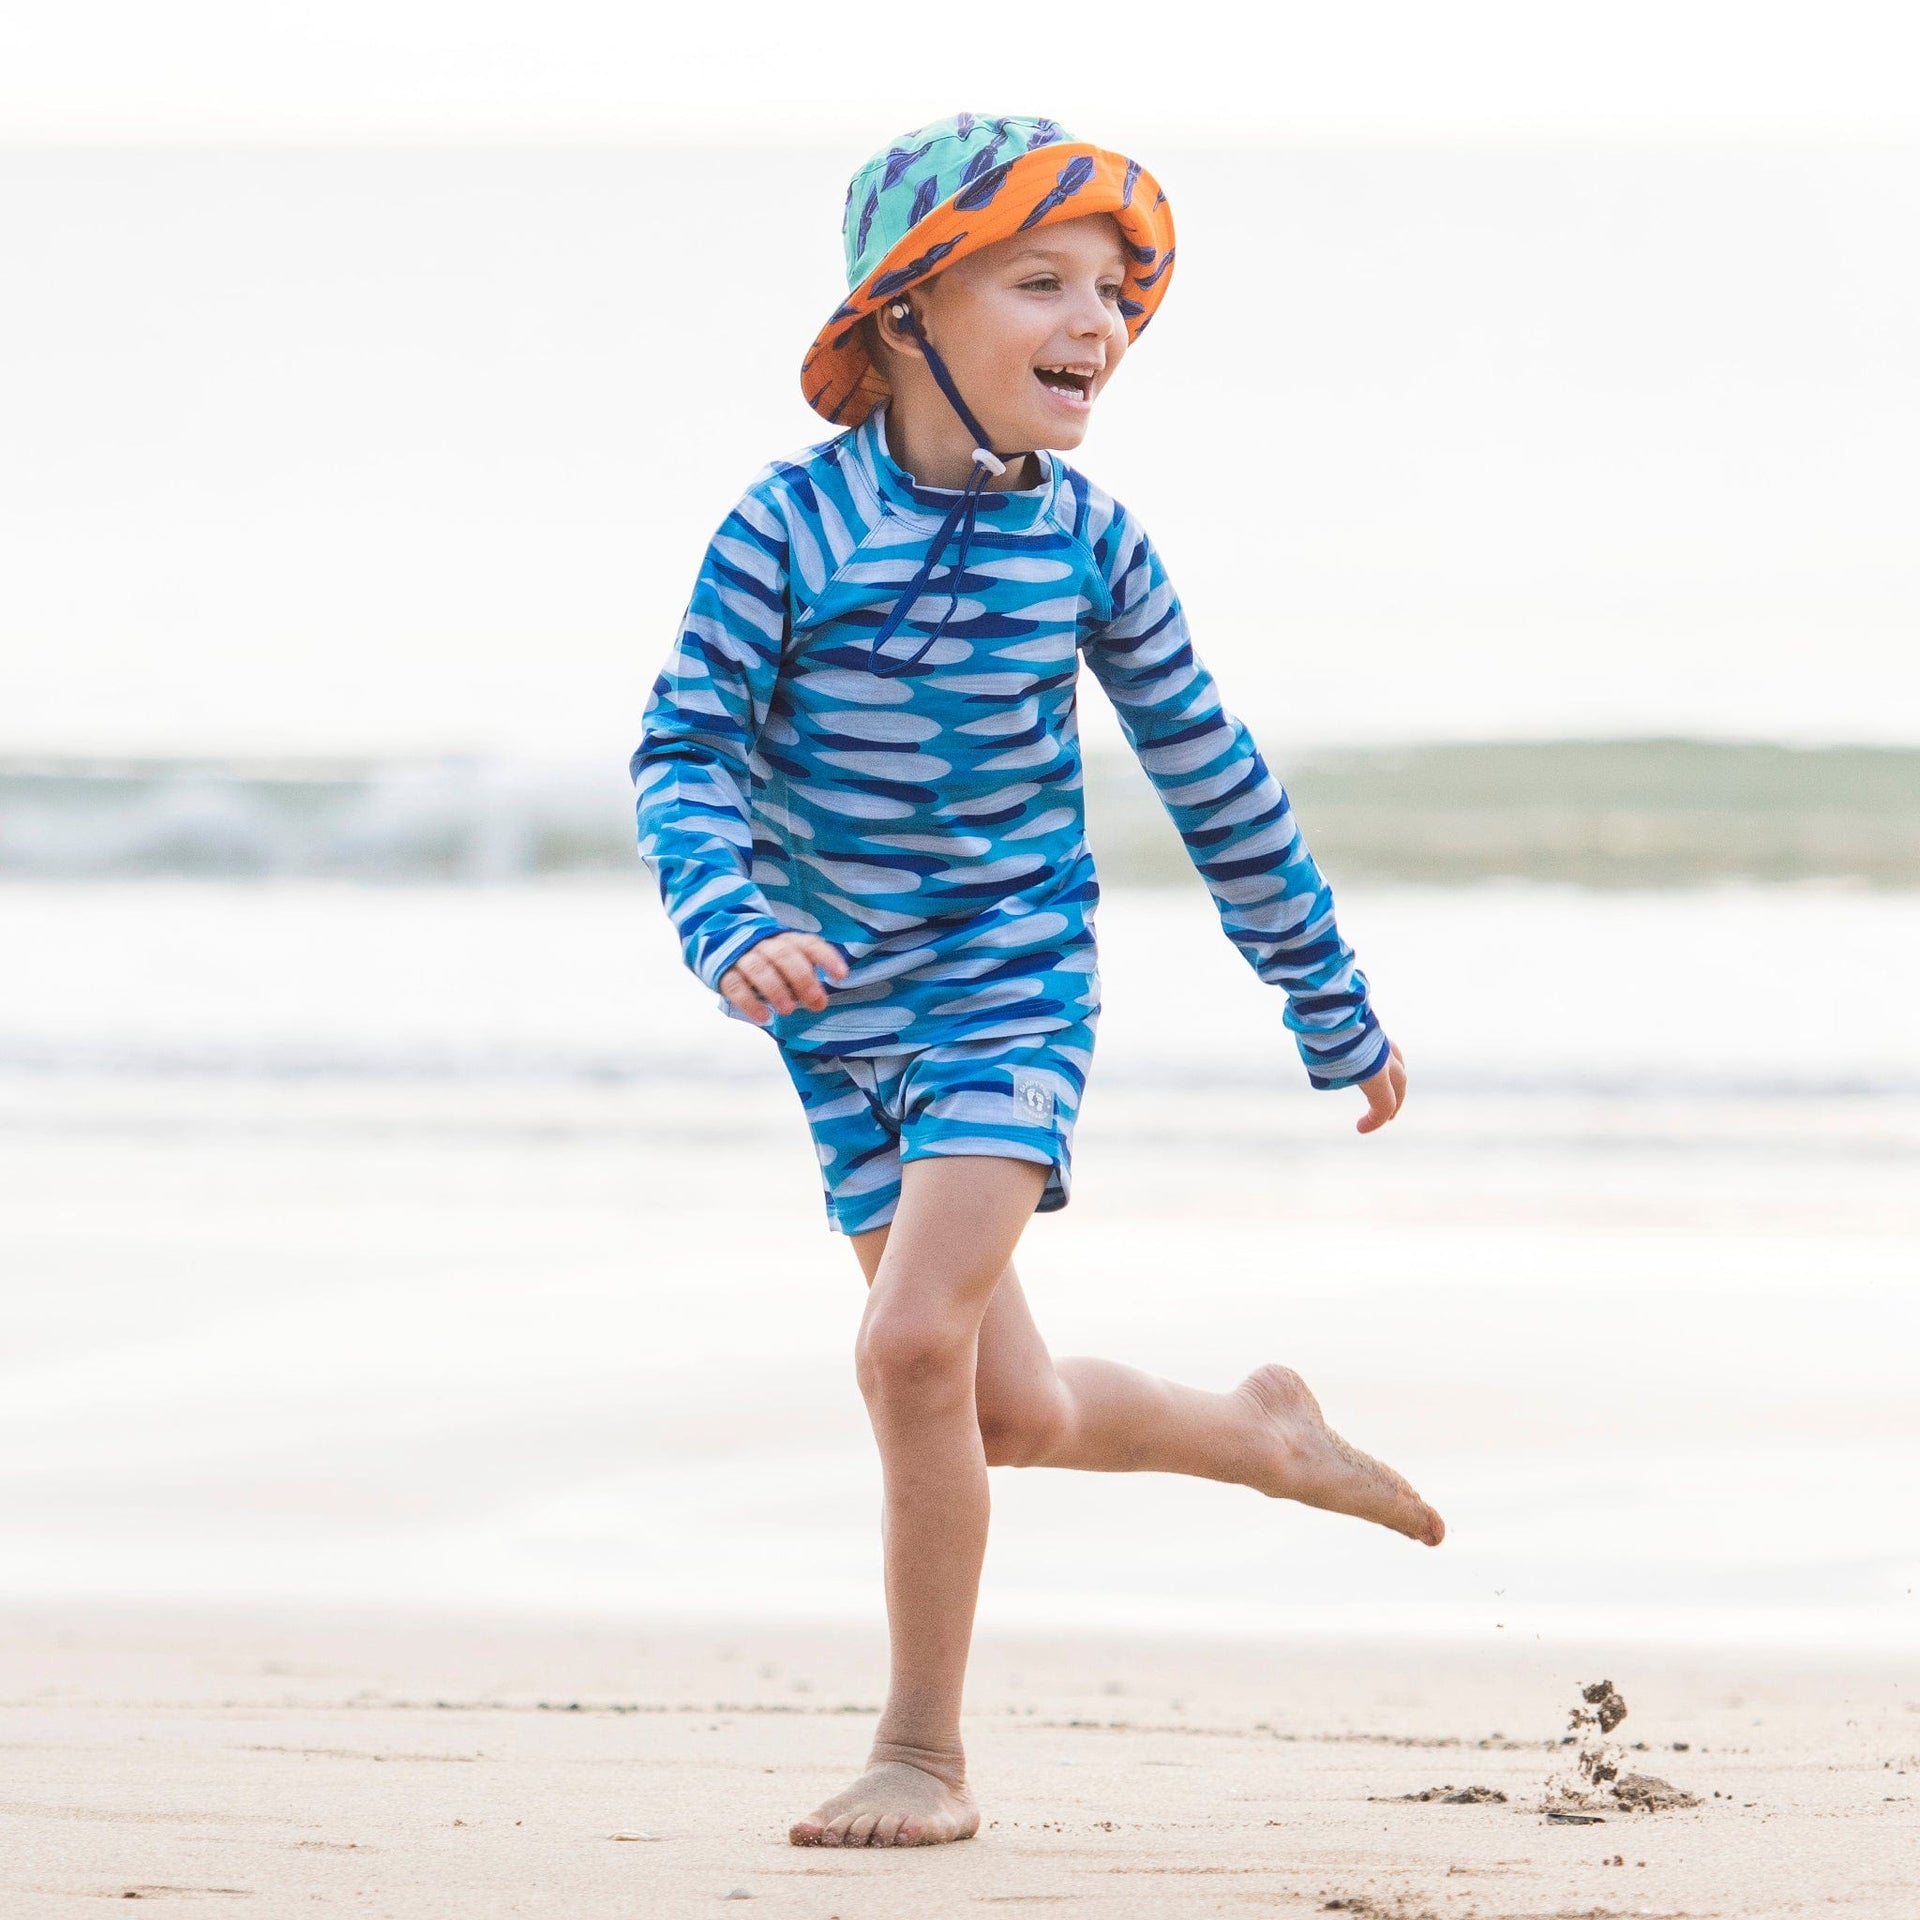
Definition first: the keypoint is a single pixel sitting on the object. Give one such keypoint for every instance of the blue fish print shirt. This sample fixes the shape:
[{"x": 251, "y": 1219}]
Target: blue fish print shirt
[{"x": 927, "y": 818}]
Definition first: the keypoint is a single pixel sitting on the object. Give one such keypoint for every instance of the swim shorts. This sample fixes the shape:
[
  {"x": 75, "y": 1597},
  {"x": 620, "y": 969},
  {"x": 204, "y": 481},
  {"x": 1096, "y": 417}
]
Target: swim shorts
[{"x": 1014, "y": 1099}]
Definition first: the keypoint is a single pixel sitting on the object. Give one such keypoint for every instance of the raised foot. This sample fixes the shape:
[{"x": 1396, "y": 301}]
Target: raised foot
[
  {"x": 890, "y": 1805},
  {"x": 1301, "y": 1458}
]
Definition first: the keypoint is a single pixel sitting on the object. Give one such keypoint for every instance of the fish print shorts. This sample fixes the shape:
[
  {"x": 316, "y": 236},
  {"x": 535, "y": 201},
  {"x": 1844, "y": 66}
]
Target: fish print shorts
[{"x": 1014, "y": 1098}]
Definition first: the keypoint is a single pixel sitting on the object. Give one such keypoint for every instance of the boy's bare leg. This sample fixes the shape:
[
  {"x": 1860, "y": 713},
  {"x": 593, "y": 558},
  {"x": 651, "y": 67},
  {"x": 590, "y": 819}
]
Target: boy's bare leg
[
  {"x": 951, "y": 1239},
  {"x": 1101, "y": 1417}
]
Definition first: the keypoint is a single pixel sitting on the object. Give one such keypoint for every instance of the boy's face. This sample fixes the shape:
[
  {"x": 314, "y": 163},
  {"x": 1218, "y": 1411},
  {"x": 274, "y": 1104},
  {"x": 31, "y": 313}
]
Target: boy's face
[{"x": 1031, "y": 329}]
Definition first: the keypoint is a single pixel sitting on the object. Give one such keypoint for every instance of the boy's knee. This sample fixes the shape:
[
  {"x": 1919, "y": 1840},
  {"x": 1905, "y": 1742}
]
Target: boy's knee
[
  {"x": 910, "y": 1354},
  {"x": 1026, "y": 1432}
]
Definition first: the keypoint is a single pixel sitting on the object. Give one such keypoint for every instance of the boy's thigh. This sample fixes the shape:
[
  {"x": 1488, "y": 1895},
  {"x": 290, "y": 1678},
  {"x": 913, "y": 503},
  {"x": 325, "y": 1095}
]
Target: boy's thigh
[
  {"x": 951, "y": 1240},
  {"x": 1015, "y": 1098}
]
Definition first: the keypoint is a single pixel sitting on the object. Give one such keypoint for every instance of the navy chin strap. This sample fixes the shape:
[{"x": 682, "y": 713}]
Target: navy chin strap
[{"x": 962, "y": 517}]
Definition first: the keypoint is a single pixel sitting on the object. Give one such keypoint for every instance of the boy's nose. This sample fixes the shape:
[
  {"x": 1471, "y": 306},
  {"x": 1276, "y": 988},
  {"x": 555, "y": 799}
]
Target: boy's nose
[{"x": 1094, "y": 318}]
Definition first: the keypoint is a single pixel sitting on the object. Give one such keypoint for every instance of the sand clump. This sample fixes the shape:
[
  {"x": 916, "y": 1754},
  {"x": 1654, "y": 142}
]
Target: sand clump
[
  {"x": 1647, "y": 1793},
  {"x": 1597, "y": 1785},
  {"x": 1449, "y": 1796}
]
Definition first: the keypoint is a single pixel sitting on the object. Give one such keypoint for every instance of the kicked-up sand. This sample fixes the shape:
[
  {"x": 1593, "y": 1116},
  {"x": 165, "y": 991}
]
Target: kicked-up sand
[{"x": 282, "y": 1762}]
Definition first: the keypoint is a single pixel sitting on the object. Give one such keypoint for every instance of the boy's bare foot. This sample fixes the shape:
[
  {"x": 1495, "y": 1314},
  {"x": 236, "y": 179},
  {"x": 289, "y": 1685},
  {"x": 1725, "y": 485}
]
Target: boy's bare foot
[
  {"x": 892, "y": 1804},
  {"x": 1302, "y": 1458}
]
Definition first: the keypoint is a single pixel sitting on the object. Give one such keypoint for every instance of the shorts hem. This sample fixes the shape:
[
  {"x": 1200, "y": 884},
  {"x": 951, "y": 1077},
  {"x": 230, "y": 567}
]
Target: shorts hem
[
  {"x": 1053, "y": 1196},
  {"x": 979, "y": 1150},
  {"x": 836, "y": 1225}
]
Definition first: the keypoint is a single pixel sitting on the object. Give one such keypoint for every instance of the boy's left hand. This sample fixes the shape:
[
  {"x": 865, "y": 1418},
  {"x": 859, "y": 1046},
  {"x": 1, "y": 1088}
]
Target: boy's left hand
[{"x": 1386, "y": 1092}]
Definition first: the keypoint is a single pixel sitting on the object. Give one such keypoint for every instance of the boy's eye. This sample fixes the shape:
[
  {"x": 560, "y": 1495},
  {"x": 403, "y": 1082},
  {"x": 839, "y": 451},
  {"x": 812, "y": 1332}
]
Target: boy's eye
[{"x": 1050, "y": 283}]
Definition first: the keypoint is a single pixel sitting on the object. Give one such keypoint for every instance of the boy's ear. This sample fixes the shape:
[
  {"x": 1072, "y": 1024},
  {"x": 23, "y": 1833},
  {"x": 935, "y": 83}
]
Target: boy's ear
[{"x": 890, "y": 332}]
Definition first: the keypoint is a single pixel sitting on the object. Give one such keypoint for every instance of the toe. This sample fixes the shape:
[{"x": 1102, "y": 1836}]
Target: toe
[
  {"x": 804, "y": 1833},
  {"x": 860, "y": 1833}
]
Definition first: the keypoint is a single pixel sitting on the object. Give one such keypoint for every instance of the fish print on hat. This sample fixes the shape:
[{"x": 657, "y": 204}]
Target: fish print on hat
[{"x": 942, "y": 192}]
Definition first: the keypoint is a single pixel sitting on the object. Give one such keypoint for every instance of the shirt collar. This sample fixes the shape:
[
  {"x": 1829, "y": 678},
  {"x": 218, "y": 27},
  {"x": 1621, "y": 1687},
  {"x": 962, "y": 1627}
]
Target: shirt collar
[{"x": 1019, "y": 508}]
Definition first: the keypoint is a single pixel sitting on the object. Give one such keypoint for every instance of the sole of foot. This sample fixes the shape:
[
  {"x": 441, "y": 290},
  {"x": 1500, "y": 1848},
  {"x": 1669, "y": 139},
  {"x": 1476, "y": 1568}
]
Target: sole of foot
[
  {"x": 890, "y": 1805},
  {"x": 1302, "y": 1458}
]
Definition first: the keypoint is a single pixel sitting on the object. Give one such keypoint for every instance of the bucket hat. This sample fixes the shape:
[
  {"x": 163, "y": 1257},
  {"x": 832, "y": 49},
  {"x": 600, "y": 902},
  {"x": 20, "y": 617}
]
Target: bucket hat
[{"x": 944, "y": 191}]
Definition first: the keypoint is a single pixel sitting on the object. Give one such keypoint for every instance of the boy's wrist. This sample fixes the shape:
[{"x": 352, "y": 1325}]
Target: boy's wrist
[{"x": 1373, "y": 1060}]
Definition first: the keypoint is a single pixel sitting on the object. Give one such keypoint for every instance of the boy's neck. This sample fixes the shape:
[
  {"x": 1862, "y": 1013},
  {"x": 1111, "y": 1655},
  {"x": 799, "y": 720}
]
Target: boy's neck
[{"x": 938, "y": 452}]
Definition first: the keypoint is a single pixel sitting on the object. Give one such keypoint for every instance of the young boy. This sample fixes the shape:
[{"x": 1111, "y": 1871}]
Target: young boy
[{"x": 860, "y": 792}]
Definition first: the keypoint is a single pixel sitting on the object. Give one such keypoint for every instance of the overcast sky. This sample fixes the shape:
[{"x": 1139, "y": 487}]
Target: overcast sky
[
  {"x": 1557, "y": 371},
  {"x": 546, "y": 69},
  {"x": 419, "y": 448}
]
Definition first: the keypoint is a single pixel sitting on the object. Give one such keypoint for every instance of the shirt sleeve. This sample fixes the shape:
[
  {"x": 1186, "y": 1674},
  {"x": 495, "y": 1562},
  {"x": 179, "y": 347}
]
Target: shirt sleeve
[
  {"x": 691, "y": 771},
  {"x": 1232, "y": 814}
]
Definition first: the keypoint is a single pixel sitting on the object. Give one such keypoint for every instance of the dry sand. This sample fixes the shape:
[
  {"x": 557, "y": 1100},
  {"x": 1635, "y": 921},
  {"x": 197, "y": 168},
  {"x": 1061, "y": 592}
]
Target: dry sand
[{"x": 268, "y": 1763}]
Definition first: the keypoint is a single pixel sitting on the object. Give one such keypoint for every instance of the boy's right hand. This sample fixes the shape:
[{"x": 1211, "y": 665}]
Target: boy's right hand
[
  {"x": 1386, "y": 1092},
  {"x": 777, "y": 974}
]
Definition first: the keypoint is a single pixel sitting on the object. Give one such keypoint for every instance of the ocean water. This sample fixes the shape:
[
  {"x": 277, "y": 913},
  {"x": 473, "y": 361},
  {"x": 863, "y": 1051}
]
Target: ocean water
[
  {"x": 1616, "y": 813},
  {"x": 445, "y": 1245}
]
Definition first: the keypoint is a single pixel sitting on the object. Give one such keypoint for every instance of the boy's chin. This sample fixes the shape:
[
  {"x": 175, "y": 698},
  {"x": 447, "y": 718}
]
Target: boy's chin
[{"x": 1056, "y": 435}]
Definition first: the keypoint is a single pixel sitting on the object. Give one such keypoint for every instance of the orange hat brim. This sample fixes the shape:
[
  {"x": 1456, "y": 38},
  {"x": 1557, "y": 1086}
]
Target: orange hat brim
[{"x": 1037, "y": 189}]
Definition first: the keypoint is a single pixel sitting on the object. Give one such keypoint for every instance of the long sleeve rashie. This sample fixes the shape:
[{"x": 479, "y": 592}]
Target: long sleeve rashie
[{"x": 928, "y": 821}]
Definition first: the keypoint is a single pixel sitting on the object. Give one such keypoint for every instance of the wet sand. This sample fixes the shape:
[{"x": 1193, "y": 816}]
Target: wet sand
[{"x": 273, "y": 1762}]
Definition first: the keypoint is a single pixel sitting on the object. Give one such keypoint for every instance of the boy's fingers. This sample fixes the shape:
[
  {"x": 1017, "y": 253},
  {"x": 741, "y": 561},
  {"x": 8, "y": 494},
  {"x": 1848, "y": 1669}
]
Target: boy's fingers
[
  {"x": 780, "y": 973},
  {"x": 796, "y": 969},
  {"x": 1383, "y": 1092},
  {"x": 741, "y": 996},
  {"x": 829, "y": 956},
  {"x": 765, "y": 979}
]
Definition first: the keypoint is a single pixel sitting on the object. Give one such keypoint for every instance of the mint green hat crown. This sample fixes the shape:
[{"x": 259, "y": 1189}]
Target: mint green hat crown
[{"x": 903, "y": 183}]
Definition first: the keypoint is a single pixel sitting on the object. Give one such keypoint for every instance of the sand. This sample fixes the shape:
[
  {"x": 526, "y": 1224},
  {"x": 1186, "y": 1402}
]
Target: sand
[{"x": 285, "y": 1762}]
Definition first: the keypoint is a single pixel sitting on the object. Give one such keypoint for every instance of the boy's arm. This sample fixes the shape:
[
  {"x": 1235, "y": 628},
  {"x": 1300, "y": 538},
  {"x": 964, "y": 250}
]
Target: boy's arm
[
  {"x": 1232, "y": 814},
  {"x": 690, "y": 771}
]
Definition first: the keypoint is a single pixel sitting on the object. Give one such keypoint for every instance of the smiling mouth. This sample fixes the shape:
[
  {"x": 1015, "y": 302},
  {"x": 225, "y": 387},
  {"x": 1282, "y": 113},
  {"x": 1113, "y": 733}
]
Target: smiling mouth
[{"x": 1073, "y": 384}]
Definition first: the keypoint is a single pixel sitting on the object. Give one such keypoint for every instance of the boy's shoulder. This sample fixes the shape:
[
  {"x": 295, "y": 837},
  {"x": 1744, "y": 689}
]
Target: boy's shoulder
[
  {"x": 827, "y": 474},
  {"x": 1089, "y": 514}
]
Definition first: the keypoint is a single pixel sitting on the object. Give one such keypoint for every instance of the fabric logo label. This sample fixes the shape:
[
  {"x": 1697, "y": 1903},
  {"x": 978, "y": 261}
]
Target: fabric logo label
[{"x": 1032, "y": 1095}]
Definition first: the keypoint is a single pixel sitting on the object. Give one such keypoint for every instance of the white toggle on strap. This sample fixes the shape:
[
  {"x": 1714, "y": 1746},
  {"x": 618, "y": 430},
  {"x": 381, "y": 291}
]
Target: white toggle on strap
[{"x": 992, "y": 462}]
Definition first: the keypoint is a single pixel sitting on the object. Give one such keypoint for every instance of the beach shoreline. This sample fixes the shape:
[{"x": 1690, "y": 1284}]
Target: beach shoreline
[{"x": 421, "y": 1763}]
